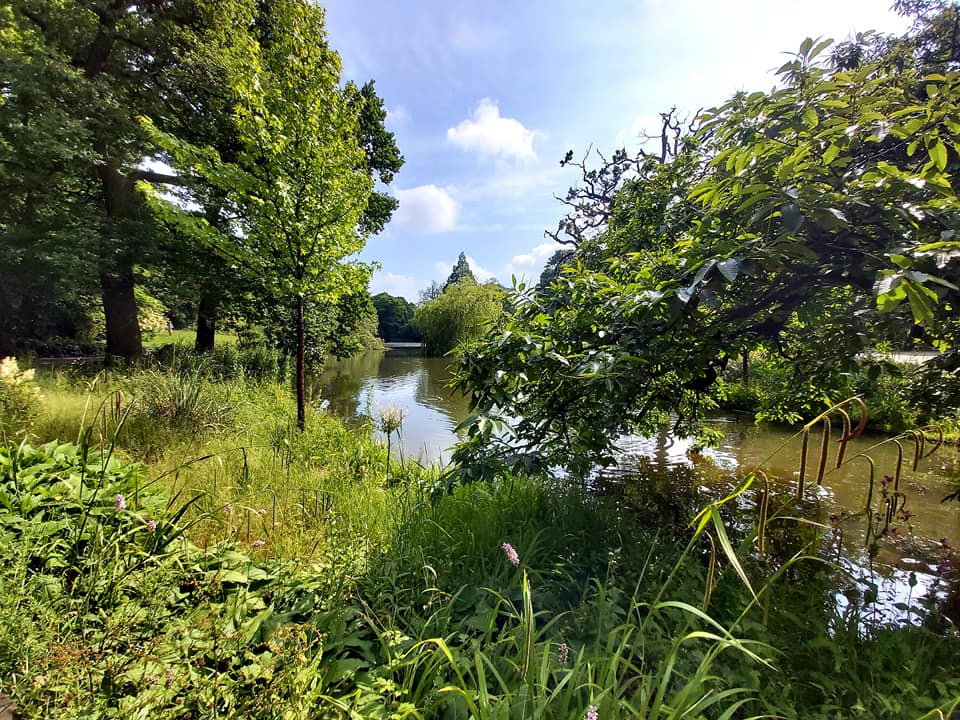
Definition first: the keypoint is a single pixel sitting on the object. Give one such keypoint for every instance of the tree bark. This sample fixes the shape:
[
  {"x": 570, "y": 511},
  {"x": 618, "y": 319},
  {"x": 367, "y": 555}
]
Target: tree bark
[
  {"x": 116, "y": 269},
  {"x": 301, "y": 365},
  {"x": 206, "y": 322},
  {"x": 120, "y": 311}
]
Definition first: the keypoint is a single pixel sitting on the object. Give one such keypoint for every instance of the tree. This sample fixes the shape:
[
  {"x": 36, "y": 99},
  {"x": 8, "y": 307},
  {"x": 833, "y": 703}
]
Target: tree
[
  {"x": 826, "y": 201},
  {"x": 462, "y": 313},
  {"x": 553, "y": 267},
  {"x": 75, "y": 77},
  {"x": 300, "y": 185},
  {"x": 395, "y": 318},
  {"x": 461, "y": 272},
  {"x": 431, "y": 292}
]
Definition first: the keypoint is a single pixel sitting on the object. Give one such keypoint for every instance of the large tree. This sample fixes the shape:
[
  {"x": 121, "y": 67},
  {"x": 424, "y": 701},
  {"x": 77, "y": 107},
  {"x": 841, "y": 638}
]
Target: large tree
[
  {"x": 300, "y": 185},
  {"x": 75, "y": 77},
  {"x": 395, "y": 318},
  {"x": 788, "y": 214},
  {"x": 460, "y": 272}
]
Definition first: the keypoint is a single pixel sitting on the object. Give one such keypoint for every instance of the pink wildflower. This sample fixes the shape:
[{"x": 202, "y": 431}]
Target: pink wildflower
[
  {"x": 511, "y": 554},
  {"x": 151, "y": 525},
  {"x": 119, "y": 502},
  {"x": 591, "y": 713},
  {"x": 258, "y": 543}
]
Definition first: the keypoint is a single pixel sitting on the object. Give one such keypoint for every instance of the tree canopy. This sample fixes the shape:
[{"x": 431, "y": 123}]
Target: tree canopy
[
  {"x": 299, "y": 187},
  {"x": 462, "y": 313},
  {"x": 79, "y": 246},
  {"x": 461, "y": 272},
  {"x": 791, "y": 219},
  {"x": 395, "y": 318}
]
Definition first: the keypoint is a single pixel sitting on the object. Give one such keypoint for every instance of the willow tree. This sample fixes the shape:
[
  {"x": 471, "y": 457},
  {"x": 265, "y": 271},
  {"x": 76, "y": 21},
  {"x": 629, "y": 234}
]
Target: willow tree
[{"x": 299, "y": 187}]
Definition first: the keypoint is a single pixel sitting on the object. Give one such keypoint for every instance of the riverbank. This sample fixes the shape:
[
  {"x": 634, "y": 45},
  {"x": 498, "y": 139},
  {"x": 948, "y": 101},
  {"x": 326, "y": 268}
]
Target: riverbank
[{"x": 207, "y": 559}]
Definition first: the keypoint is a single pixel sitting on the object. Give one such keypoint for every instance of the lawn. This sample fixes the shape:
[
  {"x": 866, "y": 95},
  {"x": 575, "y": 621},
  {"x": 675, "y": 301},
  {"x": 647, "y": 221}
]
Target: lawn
[{"x": 183, "y": 336}]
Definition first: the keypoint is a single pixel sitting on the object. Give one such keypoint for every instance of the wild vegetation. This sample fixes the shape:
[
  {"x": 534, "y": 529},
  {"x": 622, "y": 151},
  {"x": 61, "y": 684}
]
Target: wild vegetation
[
  {"x": 178, "y": 539},
  {"x": 249, "y": 568},
  {"x": 808, "y": 223}
]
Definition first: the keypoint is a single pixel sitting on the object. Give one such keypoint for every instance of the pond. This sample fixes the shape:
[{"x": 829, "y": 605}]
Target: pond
[{"x": 362, "y": 385}]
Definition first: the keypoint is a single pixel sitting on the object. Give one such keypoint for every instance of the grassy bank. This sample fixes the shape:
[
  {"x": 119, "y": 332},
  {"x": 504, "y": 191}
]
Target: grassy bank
[{"x": 187, "y": 553}]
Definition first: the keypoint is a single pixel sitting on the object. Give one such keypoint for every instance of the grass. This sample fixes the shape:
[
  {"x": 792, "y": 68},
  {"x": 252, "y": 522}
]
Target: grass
[
  {"x": 185, "y": 336},
  {"x": 286, "y": 577}
]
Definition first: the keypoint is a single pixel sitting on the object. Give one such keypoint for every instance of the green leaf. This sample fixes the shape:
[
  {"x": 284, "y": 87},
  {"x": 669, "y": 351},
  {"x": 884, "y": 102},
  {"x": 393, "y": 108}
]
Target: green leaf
[{"x": 938, "y": 153}]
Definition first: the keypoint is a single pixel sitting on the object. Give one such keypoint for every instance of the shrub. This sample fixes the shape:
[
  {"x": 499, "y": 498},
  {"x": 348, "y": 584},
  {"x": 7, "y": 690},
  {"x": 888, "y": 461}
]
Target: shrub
[
  {"x": 19, "y": 398},
  {"x": 262, "y": 364},
  {"x": 182, "y": 402}
]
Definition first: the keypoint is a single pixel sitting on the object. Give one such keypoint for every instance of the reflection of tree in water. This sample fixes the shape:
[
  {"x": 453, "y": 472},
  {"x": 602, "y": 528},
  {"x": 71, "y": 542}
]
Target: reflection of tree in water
[
  {"x": 432, "y": 389},
  {"x": 341, "y": 381}
]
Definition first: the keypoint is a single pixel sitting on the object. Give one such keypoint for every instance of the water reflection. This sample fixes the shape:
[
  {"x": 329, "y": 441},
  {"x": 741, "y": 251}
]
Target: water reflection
[
  {"x": 362, "y": 385},
  {"x": 707, "y": 474}
]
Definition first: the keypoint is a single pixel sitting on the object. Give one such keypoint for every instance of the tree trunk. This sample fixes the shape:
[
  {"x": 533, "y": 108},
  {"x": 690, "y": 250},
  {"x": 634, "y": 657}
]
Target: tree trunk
[
  {"x": 120, "y": 312},
  {"x": 116, "y": 268},
  {"x": 301, "y": 365},
  {"x": 206, "y": 322}
]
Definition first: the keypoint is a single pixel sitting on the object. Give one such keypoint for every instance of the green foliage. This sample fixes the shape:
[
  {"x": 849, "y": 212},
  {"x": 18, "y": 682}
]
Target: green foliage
[
  {"x": 793, "y": 220},
  {"x": 300, "y": 184},
  {"x": 395, "y": 318},
  {"x": 462, "y": 313},
  {"x": 178, "y": 403},
  {"x": 296, "y": 584},
  {"x": 19, "y": 399},
  {"x": 151, "y": 313},
  {"x": 899, "y": 397}
]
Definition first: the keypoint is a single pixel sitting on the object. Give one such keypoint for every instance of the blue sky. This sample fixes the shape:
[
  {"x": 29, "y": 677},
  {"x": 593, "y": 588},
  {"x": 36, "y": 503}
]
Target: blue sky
[{"x": 486, "y": 97}]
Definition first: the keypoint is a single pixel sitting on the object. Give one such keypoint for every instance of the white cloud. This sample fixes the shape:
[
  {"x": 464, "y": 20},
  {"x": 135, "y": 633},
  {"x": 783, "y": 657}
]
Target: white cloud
[
  {"x": 402, "y": 285},
  {"x": 471, "y": 37},
  {"x": 397, "y": 115},
  {"x": 480, "y": 273},
  {"x": 492, "y": 135},
  {"x": 539, "y": 254},
  {"x": 530, "y": 264},
  {"x": 426, "y": 209}
]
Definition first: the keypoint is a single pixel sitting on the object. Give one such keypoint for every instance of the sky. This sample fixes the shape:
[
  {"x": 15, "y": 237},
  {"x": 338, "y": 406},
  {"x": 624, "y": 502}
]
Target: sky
[{"x": 485, "y": 98}]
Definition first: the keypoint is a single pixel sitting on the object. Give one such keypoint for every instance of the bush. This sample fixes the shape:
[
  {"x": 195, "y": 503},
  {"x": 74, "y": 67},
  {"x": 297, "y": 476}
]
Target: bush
[
  {"x": 64, "y": 347},
  {"x": 260, "y": 363},
  {"x": 19, "y": 398}
]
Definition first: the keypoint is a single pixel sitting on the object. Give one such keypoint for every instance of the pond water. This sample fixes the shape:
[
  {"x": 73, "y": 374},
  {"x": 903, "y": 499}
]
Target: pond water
[{"x": 362, "y": 385}]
